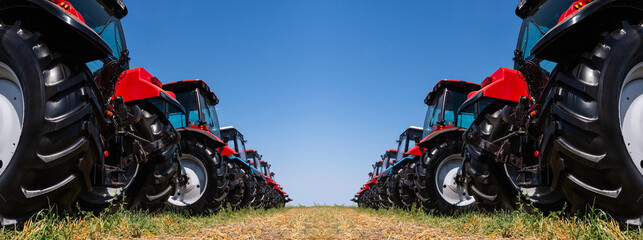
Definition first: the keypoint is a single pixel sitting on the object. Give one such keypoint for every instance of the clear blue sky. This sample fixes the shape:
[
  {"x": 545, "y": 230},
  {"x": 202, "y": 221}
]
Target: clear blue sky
[{"x": 321, "y": 88}]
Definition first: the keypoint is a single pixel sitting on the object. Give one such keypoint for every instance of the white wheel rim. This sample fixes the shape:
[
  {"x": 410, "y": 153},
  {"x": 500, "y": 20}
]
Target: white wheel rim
[
  {"x": 452, "y": 192},
  {"x": 189, "y": 193},
  {"x": 630, "y": 115},
  {"x": 11, "y": 114}
]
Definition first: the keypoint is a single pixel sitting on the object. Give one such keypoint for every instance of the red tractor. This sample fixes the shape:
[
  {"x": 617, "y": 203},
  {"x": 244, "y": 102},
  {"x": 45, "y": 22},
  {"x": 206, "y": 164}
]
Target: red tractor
[
  {"x": 203, "y": 185},
  {"x": 75, "y": 123},
  {"x": 274, "y": 196},
  {"x": 376, "y": 195},
  {"x": 365, "y": 197},
  {"x": 246, "y": 182},
  {"x": 566, "y": 124},
  {"x": 438, "y": 184},
  {"x": 393, "y": 183}
]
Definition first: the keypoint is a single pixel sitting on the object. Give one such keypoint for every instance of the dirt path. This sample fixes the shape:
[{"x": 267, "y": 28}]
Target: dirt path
[{"x": 321, "y": 223}]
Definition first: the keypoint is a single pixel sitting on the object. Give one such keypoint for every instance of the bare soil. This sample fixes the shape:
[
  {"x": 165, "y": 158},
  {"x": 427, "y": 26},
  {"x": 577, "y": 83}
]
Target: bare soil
[{"x": 321, "y": 223}]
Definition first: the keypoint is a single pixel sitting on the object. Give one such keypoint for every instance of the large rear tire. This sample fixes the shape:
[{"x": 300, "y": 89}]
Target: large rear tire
[
  {"x": 49, "y": 129},
  {"x": 595, "y": 128},
  {"x": 202, "y": 193}
]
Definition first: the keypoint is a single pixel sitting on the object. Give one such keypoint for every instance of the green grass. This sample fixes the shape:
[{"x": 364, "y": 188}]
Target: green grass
[
  {"x": 121, "y": 224},
  {"x": 522, "y": 224}
]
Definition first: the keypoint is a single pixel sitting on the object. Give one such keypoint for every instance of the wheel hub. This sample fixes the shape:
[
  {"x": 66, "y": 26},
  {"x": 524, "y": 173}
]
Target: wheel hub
[
  {"x": 11, "y": 114},
  {"x": 191, "y": 191},
  {"x": 631, "y": 113},
  {"x": 445, "y": 180}
]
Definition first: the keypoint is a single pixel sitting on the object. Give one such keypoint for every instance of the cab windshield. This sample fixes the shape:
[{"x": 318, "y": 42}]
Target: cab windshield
[
  {"x": 536, "y": 26},
  {"x": 265, "y": 170},
  {"x": 99, "y": 18},
  {"x": 433, "y": 116},
  {"x": 241, "y": 148},
  {"x": 401, "y": 147},
  {"x": 454, "y": 100},
  {"x": 190, "y": 102}
]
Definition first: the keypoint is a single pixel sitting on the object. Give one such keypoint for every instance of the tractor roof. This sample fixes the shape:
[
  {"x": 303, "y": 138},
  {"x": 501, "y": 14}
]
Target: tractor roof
[
  {"x": 189, "y": 85},
  {"x": 230, "y": 131},
  {"x": 527, "y": 8},
  {"x": 412, "y": 131},
  {"x": 453, "y": 85},
  {"x": 253, "y": 153}
]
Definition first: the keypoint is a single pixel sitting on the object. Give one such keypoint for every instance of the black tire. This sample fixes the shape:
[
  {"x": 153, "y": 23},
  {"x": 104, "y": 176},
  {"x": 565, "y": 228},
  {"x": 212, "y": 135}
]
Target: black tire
[
  {"x": 362, "y": 199},
  {"x": 589, "y": 157},
  {"x": 214, "y": 193},
  {"x": 406, "y": 186},
  {"x": 242, "y": 187},
  {"x": 488, "y": 181},
  {"x": 156, "y": 180},
  {"x": 393, "y": 190},
  {"x": 431, "y": 198},
  {"x": 59, "y": 142},
  {"x": 379, "y": 192},
  {"x": 260, "y": 197}
]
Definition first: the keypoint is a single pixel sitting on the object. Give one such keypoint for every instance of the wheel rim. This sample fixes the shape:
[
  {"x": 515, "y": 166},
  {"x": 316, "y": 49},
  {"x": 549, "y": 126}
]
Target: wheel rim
[
  {"x": 12, "y": 112},
  {"x": 450, "y": 191},
  {"x": 630, "y": 114},
  {"x": 190, "y": 192}
]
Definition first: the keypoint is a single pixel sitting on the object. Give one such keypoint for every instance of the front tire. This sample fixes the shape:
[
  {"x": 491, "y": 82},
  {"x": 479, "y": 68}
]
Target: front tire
[
  {"x": 202, "y": 193},
  {"x": 441, "y": 193},
  {"x": 156, "y": 180},
  {"x": 491, "y": 182}
]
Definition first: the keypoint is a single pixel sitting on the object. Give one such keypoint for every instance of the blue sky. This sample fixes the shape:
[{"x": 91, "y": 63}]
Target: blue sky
[{"x": 321, "y": 88}]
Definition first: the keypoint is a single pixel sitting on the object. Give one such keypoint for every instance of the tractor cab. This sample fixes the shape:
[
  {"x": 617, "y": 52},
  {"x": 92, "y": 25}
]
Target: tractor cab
[
  {"x": 199, "y": 103},
  {"x": 104, "y": 18},
  {"x": 377, "y": 167},
  {"x": 234, "y": 139},
  {"x": 253, "y": 158},
  {"x": 444, "y": 101},
  {"x": 540, "y": 16},
  {"x": 265, "y": 169},
  {"x": 389, "y": 158},
  {"x": 408, "y": 139}
]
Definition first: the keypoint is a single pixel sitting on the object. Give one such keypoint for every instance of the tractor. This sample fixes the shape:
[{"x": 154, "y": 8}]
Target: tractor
[
  {"x": 274, "y": 194},
  {"x": 76, "y": 125},
  {"x": 246, "y": 182},
  {"x": 279, "y": 195},
  {"x": 565, "y": 123},
  {"x": 377, "y": 192},
  {"x": 364, "y": 197},
  {"x": 400, "y": 193},
  {"x": 202, "y": 187},
  {"x": 437, "y": 185}
]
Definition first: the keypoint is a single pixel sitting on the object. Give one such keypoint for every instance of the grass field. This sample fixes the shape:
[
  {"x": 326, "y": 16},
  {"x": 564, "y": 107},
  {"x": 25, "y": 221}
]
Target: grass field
[{"x": 320, "y": 222}]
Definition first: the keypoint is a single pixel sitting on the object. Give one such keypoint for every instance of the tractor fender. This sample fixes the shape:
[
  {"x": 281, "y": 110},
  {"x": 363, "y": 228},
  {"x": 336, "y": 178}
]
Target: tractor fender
[
  {"x": 400, "y": 163},
  {"x": 139, "y": 85},
  {"x": 52, "y": 20},
  {"x": 441, "y": 136},
  {"x": 504, "y": 84},
  {"x": 587, "y": 21},
  {"x": 201, "y": 136},
  {"x": 253, "y": 171}
]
